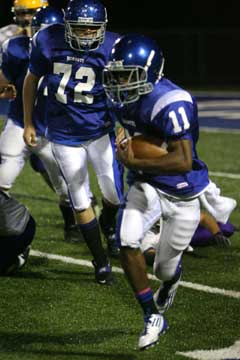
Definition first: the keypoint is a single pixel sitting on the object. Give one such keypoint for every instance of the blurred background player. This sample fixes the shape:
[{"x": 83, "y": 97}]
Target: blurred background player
[
  {"x": 72, "y": 56},
  {"x": 23, "y": 11},
  {"x": 17, "y": 230},
  {"x": 13, "y": 149}
]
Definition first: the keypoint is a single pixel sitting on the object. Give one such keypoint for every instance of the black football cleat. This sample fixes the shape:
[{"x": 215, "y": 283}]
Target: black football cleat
[{"x": 103, "y": 275}]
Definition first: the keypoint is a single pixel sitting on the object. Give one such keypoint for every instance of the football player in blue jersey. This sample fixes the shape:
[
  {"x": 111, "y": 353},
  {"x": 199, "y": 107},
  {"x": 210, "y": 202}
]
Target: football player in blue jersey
[
  {"x": 23, "y": 11},
  {"x": 80, "y": 127},
  {"x": 13, "y": 149},
  {"x": 169, "y": 186}
]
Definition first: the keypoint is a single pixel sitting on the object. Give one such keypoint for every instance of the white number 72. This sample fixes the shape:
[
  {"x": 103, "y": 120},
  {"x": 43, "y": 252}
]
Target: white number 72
[{"x": 66, "y": 70}]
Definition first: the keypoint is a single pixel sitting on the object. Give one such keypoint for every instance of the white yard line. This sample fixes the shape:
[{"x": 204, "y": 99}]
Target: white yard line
[
  {"x": 199, "y": 287},
  {"x": 223, "y": 174},
  {"x": 222, "y": 130}
]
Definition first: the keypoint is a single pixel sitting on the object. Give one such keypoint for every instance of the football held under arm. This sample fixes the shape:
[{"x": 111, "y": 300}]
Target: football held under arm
[{"x": 178, "y": 158}]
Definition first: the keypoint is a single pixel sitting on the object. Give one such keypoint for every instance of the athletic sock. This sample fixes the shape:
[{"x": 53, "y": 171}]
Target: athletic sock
[
  {"x": 108, "y": 215},
  {"x": 68, "y": 215},
  {"x": 91, "y": 234},
  {"x": 145, "y": 299}
]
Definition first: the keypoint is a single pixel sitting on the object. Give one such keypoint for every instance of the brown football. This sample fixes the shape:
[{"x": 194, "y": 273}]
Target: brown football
[{"x": 147, "y": 147}]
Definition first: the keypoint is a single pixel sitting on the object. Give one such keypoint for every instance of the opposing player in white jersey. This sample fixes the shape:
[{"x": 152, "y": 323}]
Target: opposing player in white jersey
[
  {"x": 80, "y": 127},
  {"x": 167, "y": 186},
  {"x": 13, "y": 149}
]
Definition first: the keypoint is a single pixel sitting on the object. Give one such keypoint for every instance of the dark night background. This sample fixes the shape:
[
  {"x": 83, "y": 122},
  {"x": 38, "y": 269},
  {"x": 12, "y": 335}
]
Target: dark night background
[{"x": 200, "y": 39}]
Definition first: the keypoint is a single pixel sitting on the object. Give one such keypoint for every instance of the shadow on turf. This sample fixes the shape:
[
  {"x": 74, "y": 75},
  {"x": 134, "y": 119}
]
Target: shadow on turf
[
  {"x": 49, "y": 273},
  {"x": 15, "y": 342}
]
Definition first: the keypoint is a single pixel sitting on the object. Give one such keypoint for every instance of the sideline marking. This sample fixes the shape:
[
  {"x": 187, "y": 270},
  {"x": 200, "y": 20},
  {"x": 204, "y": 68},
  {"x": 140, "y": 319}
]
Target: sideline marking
[{"x": 194, "y": 286}]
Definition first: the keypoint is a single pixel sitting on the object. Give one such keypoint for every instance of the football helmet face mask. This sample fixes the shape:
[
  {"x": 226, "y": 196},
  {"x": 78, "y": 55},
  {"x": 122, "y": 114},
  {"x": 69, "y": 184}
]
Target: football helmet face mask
[
  {"x": 45, "y": 16},
  {"x": 85, "y": 24},
  {"x": 25, "y": 9},
  {"x": 136, "y": 64}
]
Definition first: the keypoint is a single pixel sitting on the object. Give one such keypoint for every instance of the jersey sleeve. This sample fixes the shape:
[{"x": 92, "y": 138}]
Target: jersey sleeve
[
  {"x": 38, "y": 63},
  {"x": 10, "y": 62},
  {"x": 174, "y": 115}
]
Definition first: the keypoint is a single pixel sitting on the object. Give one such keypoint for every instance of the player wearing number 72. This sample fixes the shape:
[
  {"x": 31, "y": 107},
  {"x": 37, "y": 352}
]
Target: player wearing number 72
[{"x": 72, "y": 56}]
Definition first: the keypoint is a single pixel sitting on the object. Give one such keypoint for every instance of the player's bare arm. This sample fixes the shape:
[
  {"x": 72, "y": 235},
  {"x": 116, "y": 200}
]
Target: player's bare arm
[
  {"x": 178, "y": 158},
  {"x": 29, "y": 97}
]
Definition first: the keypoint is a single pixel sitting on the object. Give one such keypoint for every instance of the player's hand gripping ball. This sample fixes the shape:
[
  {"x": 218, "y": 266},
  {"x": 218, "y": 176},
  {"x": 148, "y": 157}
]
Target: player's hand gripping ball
[{"x": 146, "y": 147}]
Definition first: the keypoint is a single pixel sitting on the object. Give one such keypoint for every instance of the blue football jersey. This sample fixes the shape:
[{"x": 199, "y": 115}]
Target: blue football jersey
[
  {"x": 169, "y": 113},
  {"x": 15, "y": 62},
  {"x": 76, "y": 104},
  {"x": 39, "y": 117}
]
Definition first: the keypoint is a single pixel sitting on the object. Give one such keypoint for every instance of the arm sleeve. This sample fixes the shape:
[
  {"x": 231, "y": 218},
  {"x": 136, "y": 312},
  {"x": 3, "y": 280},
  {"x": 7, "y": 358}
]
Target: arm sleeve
[
  {"x": 10, "y": 63},
  {"x": 38, "y": 64},
  {"x": 175, "y": 120}
]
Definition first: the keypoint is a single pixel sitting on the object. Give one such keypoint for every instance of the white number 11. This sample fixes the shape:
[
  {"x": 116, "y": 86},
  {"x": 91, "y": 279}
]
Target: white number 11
[{"x": 176, "y": 126}]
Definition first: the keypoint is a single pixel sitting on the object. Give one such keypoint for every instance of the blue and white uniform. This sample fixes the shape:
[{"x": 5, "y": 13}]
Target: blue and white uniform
[
  {"x": 13, "y": 149},
  {"x": 169, "y": 113},
  {"x": 80, "y": 126}
]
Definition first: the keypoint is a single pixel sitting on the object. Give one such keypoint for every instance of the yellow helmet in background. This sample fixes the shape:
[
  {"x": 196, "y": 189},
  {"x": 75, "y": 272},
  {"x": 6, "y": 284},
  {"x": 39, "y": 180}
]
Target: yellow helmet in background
[
  {"x": 29, "y": 4},
  {"x": 24, "y": 10}
]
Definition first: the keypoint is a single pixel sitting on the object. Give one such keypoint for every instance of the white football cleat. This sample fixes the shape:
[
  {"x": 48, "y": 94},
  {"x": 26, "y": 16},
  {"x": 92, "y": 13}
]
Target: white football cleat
[
  {"x": 154, "y": 325},
  {"x": 164, "y": 296}
]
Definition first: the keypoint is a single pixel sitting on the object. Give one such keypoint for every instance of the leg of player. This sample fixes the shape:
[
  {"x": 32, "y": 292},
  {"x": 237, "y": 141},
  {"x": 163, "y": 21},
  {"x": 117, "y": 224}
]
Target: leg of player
[
  {"x": 13, "y": 154},
  {"x": 74, "y": 167},
  {"x": 89, "y": 227},
  {"x": 177, "y": 229},
  {"x": 43, "y": 161},
  {"x": 141, "y": 210},
  {"x": 134, "y": 266},
  {"x": 109, "y": 174},
  {"x": 149, "y": 243},
  {"x": 108, "y": 223},
  {"x": 37, "y": 165}
]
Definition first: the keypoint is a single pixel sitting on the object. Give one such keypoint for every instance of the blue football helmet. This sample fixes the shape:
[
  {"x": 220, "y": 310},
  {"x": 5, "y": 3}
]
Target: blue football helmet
[
  {"x": 85, "y": 24},
  {"x": 136, "y": 64},
  {"x": 45, "y": 16}
]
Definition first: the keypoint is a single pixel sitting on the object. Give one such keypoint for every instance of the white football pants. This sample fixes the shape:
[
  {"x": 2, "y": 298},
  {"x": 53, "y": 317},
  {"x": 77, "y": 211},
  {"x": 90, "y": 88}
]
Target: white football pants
[
  {"x": 144, "y": 206},
  {"x": 73, "y": 162},
  {"x": 14, "y": 153}
]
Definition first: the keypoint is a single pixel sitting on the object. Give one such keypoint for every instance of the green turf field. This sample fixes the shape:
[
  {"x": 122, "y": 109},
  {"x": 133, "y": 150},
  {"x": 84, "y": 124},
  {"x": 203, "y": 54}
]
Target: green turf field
[{"x": 54, "y": 310}]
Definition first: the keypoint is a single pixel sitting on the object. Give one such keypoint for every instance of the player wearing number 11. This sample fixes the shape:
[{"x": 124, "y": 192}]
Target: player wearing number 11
[
  {"x": 72, "y": 56},
  {"x": 168, "y": 185}
]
